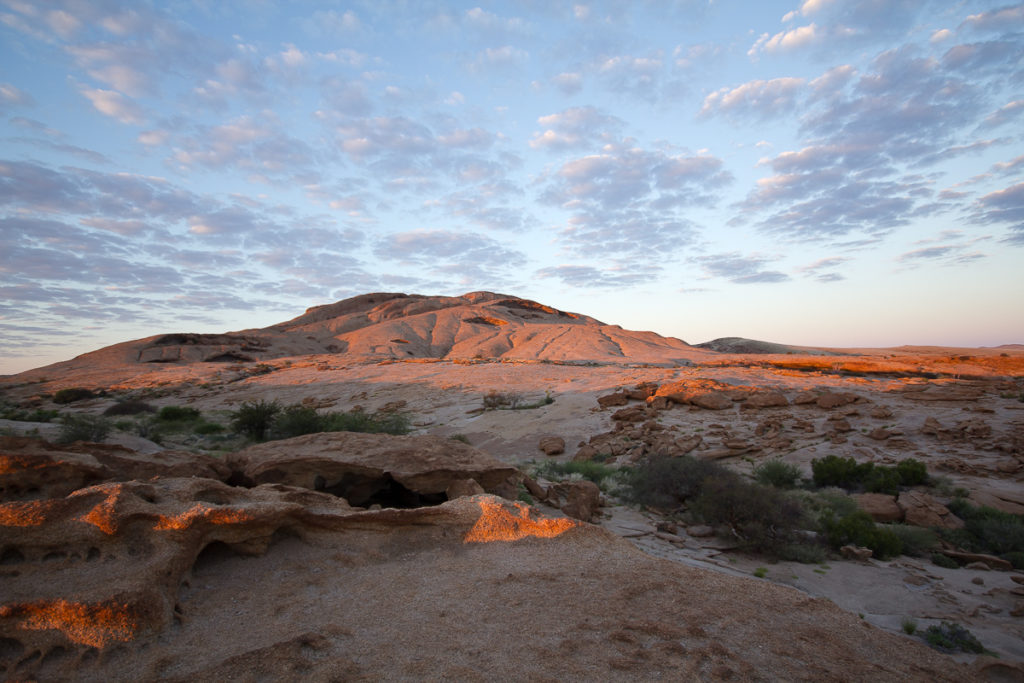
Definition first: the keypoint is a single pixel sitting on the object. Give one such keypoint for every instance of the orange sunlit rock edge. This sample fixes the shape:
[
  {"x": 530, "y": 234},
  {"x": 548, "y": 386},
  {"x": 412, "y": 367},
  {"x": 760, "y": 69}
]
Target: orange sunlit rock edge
[{"x": 497, "y": 522}]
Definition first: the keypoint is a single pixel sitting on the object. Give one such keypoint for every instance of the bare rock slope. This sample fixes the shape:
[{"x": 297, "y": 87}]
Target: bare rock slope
[{"x": 402, "y": 326}]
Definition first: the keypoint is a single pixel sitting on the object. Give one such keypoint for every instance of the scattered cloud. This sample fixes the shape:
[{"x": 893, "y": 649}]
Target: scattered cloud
[
  {"x": 793, "y": 39},
  {"x": 574, "y": 128},
  {"x": 740, "y": 270},
  {"x": 755, "y": 99},
  {"x": 115, "y": 105}
]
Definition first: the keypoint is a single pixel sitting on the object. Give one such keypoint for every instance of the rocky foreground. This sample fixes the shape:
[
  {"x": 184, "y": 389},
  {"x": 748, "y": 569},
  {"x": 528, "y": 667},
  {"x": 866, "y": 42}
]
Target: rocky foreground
[{"x": 117, "y": 567}]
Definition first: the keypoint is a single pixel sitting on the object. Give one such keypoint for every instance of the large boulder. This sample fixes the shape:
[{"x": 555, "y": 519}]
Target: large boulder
[
  {"x": 577, "y": 499},
  {"x": 920, "y": 509},
  {"x": 33, "y": 468},
  {"x": 552, "y": 445},
  {"x": 367, "y": 469},
  {"x": 882, "y": 507}
]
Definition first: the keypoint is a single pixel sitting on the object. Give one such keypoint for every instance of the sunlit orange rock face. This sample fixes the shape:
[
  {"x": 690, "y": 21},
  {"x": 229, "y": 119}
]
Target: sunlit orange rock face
[
  {"x": 202, "y": 514},
  {"x": 96, "y": 625},
  {"x": 498, "y": 522}
]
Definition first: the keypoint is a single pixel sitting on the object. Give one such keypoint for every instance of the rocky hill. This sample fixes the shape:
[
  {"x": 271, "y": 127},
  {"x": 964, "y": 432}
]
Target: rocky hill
[{"x": 383, "y": 326}]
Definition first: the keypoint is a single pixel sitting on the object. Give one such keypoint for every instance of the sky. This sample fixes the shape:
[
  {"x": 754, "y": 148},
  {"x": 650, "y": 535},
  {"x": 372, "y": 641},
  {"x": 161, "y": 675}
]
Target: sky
[{"x": 828, "y": 172}]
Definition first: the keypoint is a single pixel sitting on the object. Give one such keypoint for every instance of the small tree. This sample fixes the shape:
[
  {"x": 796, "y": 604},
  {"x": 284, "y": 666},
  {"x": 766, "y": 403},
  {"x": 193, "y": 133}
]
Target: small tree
[{"x": 254, "y": 418}]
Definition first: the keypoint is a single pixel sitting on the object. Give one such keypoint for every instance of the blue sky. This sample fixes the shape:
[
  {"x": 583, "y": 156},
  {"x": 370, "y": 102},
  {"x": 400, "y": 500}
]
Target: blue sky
[{"x": 846, "y": 173}]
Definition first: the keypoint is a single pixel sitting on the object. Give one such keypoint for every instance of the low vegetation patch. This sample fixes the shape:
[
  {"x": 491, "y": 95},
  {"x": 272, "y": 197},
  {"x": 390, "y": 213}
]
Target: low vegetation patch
[
  {"x": 130, "y": 407},
  {"x": 847, "y": 473},
  {"x": 951, "y": 637},
  {"x": 781, "y": 475},
  {"x": 83, "y": 428},
  {"x": 857, "y": 528},
  {"x": 262, "y": 420},
  {"x": 65, "y": 396},
  {"x": 597, "y": 472},
  {"x": 178, "y": 414},
  {"x": 9, "y": 412},
  {"x": 987, "y": 530},
  {"x": 495, "y": 400}
]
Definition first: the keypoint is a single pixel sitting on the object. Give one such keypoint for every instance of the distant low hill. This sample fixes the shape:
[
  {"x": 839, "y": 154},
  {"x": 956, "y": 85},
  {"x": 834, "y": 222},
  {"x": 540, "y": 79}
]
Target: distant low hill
[
  {"x": 753, "y": 346},
  {"x": 397, "y": 326}
]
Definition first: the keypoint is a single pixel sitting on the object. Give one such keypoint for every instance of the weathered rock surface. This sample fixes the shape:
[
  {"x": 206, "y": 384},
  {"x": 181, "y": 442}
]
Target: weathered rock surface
[
  {"x": 577, "y": 499},
  {"x": 882, "y": 507},
  {"x": 920, "y": 509},
  {"x": 365, "y": 469},
  {"x": 32, "y": 468}
]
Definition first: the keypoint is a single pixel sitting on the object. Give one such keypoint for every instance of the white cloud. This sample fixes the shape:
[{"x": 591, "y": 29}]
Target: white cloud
[
  {"x": 760, "y": 99},
  {"x": 569, "y": 83},
  {"x": 941, "y": 35},
  {"x": 12, "y": 95},
  {"x": 115, "y": 105},
  {"x": 786, "y": 40}
]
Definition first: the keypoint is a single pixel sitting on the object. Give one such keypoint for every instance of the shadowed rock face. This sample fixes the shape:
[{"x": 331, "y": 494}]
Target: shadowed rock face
[{"x": 367, "y": 469}]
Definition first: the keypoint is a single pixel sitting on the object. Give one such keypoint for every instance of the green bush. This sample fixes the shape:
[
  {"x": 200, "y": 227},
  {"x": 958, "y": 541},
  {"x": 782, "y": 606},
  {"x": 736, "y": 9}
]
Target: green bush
[
  {"x": 665, "y": 482},
  {"x": 297, "y": 420},
  {"x": 882, "y": 480},
  {"x": 848, "y": 474},
  {"x": 912, "y": 472},
  {"x": 129, "y": 408},
  {"x": 83, "y": 428},
  {"x": 835, "y": 471},
  {"x": 950, "y": 637},
  {"x": 940, "y": 560},
  {"x": 177, "y": 414},
  {"x": 777, "y": 473},
  {"x": 917, "y": 541},
  {"x": 1016, "y": 558},
  {"x": 909, "y": 626},
  {"x": 588, "y": 469},
  {"x": 986, "y": 530},
  {"x": 254, "y": 419},
  {"x": 207, "y": 428},
  {"x": 859, "y": 529},
  {"x": 8, "y": 412},
  {"x": 763, "y": 518},
  {"x": 65, "y": 396}
]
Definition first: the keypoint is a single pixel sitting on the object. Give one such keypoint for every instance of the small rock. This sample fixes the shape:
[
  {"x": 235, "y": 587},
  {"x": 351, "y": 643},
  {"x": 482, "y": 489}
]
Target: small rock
[
  {"x": 880, "y": 434},
  {"x": 667, "y": 527},
  {"x": 617, "y": 399},
  {"x": 700, "y": 531},
  {"x": 577, "y": 499},
  {"x": 852, "y": 552},
  {"x": 552, "y": 445},
  {"x": 977, "y": 580}
]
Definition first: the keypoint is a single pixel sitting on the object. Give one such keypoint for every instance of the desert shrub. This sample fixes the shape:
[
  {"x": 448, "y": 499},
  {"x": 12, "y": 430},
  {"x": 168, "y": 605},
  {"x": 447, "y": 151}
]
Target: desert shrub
[
  {"x": 1016, "y": 558},
  {"x": 588, "y": 469},
  {"x": 777, "y": 473},
  {"x": 804, "y": 551},
  {"x": 206, "y": 428},
  {"x": 859, "y": 529},
  {"x": 951, "y": 637},
  {"x": 177, "y": 414},
  {"x": 848, "y": 474},
  {"x": 882, "y": 480},
  {"x": 65, "y": 396},
  {"x": 374, "y": 423},
  {"x": 9, "y": 412},
  {"x": 83, "y": 428},
  {"x": 835, "y": 471},
  {"x": 760, "y": 516},
  {"x": 986, "y": 530},
  {"x": 129, "y": 408},
  {"x": 912, "y": 472},
  {"x": 495, "y": 399},
  {"x": 940, "y": 560},
  {"x": 917, "y": 541},
  {"x": 909, "y": 626},
  {"x": 297, "y": 420},
  {"x": 665, "y": 482},
  {"x": 255, "y": 418},
  {"x": 460, "y": 437}
]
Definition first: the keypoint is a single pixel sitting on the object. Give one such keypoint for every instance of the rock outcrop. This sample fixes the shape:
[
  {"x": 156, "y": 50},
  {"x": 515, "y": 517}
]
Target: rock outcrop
[{"x": 369, "y": 469}]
